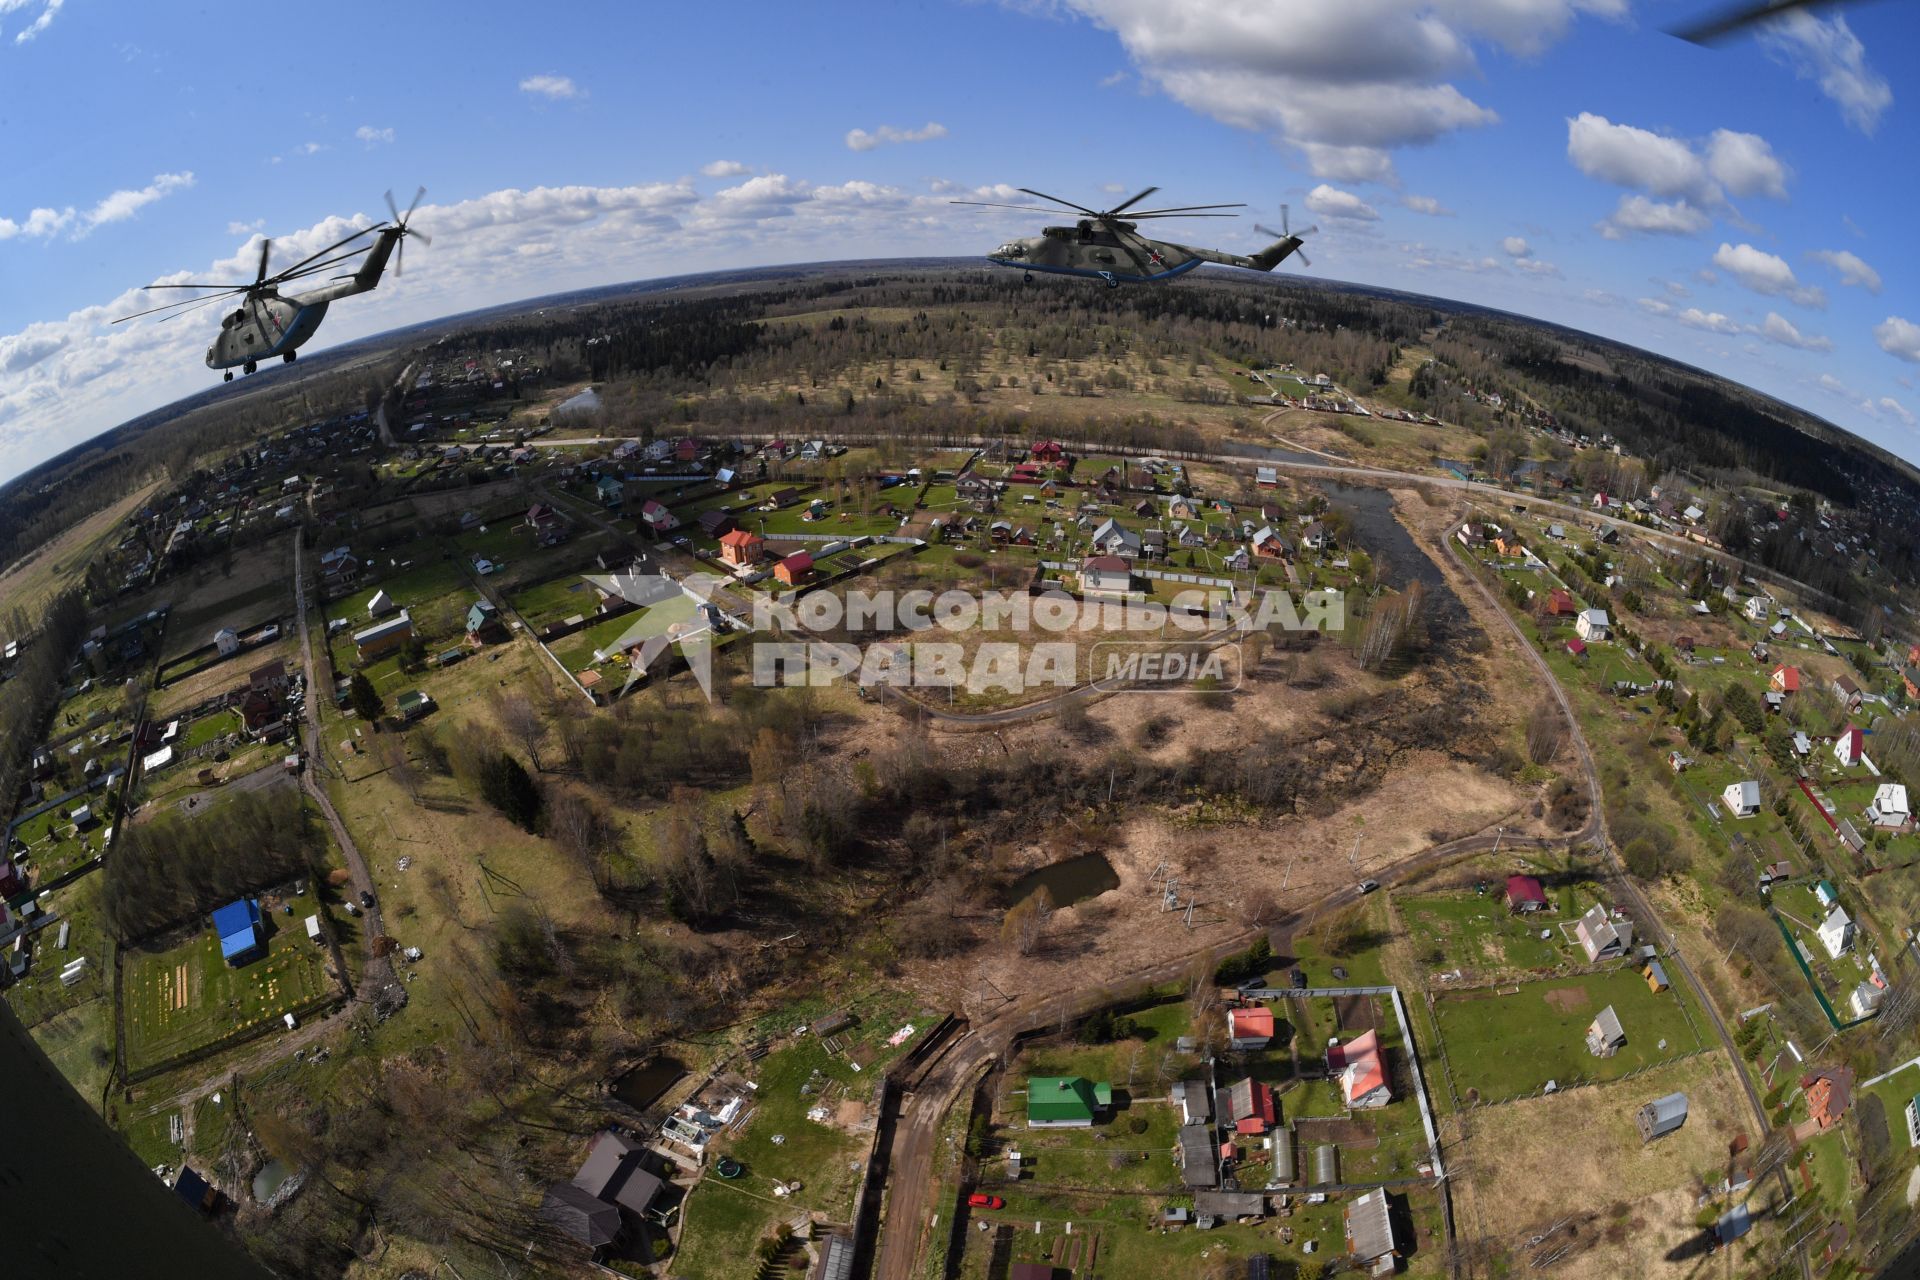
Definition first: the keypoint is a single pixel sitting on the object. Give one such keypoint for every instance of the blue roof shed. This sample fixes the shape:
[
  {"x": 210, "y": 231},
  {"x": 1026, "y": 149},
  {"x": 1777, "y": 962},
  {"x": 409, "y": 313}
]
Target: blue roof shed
[{"x": 238, "y": 924}]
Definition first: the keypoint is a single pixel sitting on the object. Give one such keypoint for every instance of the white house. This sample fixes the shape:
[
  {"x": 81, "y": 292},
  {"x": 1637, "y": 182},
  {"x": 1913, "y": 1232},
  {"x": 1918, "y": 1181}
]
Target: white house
[
  {"x": 1889, "y": 807},
  {"x": 1601, "y": 936},
  {"x": 1591, "y": 625},
  {"x": 1836, "y": 933},
  {"x": 226, "y": 640},
  {"x": 1913, "y": 1122},
  {"x": 1742, "y": 798},
  {"x": 1866, "y": 999},
  {"x": 1850, "y": 747},
  {"x": 380, "y": 605},
  {"x": 1757, "y": 608}
]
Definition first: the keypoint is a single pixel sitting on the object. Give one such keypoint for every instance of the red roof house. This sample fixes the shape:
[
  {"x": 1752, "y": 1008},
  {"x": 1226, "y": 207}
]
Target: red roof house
[
  {"x": 1786, "y": 679},
  {"x": 1250, "y": 1028},
  {"x": 796, "y": 568},
  {"x": 1525, "y": 894},
  {"x": 1829, "y": 1093},
  {"x": 1577, "y": 647},
  {"x": 1560, "y": 604},
  {"x": 1361, "y": 1069},
  {"x": 741, "y": 547}
]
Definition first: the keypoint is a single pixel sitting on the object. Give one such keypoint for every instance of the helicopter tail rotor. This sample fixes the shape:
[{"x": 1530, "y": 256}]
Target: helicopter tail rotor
[
  {"x": 400, "y": 221},
  {"x": 1286, "y": 243}
]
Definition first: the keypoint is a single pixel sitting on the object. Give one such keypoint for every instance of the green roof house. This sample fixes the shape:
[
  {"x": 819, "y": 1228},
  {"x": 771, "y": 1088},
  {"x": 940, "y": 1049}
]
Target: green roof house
[{"x": 1065, "y": 1102}]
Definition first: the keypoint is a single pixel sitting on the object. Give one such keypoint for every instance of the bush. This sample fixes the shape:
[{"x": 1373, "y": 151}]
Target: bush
[
  {"x": 1137, "y": 1124},
  {"x": 507, "y": 787}
]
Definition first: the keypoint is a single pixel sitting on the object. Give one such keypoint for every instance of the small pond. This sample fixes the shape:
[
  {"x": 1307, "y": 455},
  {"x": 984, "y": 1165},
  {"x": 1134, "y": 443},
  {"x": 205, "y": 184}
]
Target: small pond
[
  {"x": 585, "y": 402},
  {"x": 1074, "y": 880},
  {"x": 641, "y": 1087},
  {"x": 269, "y": 1179}
]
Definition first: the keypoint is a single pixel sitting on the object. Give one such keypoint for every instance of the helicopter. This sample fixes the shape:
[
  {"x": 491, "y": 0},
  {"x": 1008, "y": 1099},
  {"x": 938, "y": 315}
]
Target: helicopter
[
  {"x": 268, "y": 324},
  {"x": 1105, "y": 246}
]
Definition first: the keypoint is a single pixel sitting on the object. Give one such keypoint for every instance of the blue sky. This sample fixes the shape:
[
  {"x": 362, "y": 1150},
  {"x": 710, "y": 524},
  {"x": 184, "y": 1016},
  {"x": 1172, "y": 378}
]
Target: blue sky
[{"x": 1739, "y": 208}]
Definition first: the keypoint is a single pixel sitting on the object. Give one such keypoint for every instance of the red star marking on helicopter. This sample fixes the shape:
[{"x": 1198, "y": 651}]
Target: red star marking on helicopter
[{"x": 1153, "y": 256}]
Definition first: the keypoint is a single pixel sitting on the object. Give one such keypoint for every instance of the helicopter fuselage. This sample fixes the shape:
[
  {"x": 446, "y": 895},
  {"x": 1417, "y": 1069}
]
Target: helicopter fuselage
[
  {"x": 1118, "y": 254},
  {"x": 265, "y": 324}
]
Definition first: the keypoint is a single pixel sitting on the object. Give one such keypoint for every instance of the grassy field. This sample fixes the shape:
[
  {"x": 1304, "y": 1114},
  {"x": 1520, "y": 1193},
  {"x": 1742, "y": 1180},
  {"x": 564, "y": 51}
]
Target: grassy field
[
  {"x": 187, "y": 996},
  {"x": 1476, "y": 932},
  {"x": 1502, "y": 1046},
  {"x": 41, "y": 995}
]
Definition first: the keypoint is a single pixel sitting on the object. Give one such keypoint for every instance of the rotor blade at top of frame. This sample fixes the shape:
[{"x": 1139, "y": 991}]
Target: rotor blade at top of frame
[
  {"x": 189, "y": 310},
  {"x": 234, "y": 284},
  {"x": 1057, "y": 200},
  {"x": 266, "y": 246},
  {"x": 315, "y": 257},
  {"x": 1141, "y": 217},
  {"x": 1024, "y": 208},
  {"x": 418, "y": 196},
  {"x": 185, "y": 302},
  {"x": 1735, "y": 18},
  {"x": 1182, "y": 208},
  {"x": 1133, "y": 201}
]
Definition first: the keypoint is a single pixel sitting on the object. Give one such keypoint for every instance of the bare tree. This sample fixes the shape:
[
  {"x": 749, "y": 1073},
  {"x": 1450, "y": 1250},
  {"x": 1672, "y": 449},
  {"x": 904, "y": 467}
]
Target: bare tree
[
  {"x": 520, "y": 721},
  {"x": 1546, "y": 730},
  {"x": 1026, "y": 921}
]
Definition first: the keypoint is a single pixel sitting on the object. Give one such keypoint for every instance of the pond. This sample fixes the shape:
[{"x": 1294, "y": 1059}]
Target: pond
[
  {"x": 1074, "y": 880},
  {"x": 641, "y": 1087},
  {"x": 269, "y": 1179},
  {"x": 587, "y": 401},
  {"x": 1396, "y": 556}
]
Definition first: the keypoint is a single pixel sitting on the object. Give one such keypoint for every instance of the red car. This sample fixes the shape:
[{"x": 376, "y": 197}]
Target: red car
[{"x": 981, "y": 1200}]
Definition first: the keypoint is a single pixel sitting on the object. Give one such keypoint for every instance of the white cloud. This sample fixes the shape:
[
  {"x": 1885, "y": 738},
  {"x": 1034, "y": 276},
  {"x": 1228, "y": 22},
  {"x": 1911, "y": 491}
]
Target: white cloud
[
  {"x": 1852, "y": 270},
  {"x": 1827, "y": 382},
  {"x": 554, "y": 87},
  {"x": 724, "y": 169},
  {"x": 1894, "y": 409},
  {"x": 1712, "y": 321},
  {"x": 1745, "y": 165},
  {"x": 1516, "y": 247},
  {"x": 48, "y": 12},
  {"x": 1781, "y": 330},
  {"x": 1628, "y": 156},
  {"x": 1427, "y": 205},
  {"x": 311, "y": 148},
  {"x": 861, "y": 140},
  {"x": 1656, "y": 306},
  {"x": 1347, "y": 83},
  {"x": 1766, "y": 273},
  {"x": 42, "y": 224},
  {"x": 1653, "y": 217},
  {"x": 245, "y": 228},
  {"x": 1535, "y": 267},
  {"x": 1826, "y": 51},
  {"x": 1331, "y": 202},
  {"x": 1675, "y": 288},
  {"x": 1899, "y": 338},
  {"x": 370, "y": 135},
  {"x": 1599, "y": 297}
]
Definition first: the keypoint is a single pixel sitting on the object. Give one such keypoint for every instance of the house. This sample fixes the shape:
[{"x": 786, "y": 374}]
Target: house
[
  {"x": 237, "y": 925},
  {"x": 201, "y": 1195},
  {"x": 337, "y": 564},
  {"x": 260, "y": 712},
  {"x": 1314, "y": 536},
  {"x": 795, "y": 569},
  {"x": 1601, "y": 936},
  {"x": 1825, "y": 894},
  {"x": 1605, "y": 1035},
  {"x": 1199, "y": 1157},
  {"x": 741, "y": 548},
  {"x": 380, "y": 605},
  {"x": 1847, "y": 691},
  {"x": 1362, "y": 1071},
  {"x": 717, "y": 523},
  {"x": 1065, "y": 1102},
  {"x": 1577, "y": 647},
  {"x": 1802, "y": 744},
  {"x": 1266, "y": 477},
  {"x": 1369, "y": 1232},
  {"x": 608, "y": 1197},
  {"x": 1758, "y": 608},
  {"x": 1836, "y": 932},
  {"x": 411, "y": 705},
  {"x": 1250, "y": 1027},
  {"x": 1195, "y": 1101},
  {"x": 1249, "y": 1107},
  {"x": 1866, "y": 999},
  {"x": 1785, "y": 680},
  {"x": 483, "y": 622},
  {"x": 1113, "y": 539},
  {"x": 1913, "y": 1121},
  {"x": 608, "y": 491},
  {"x": 1228, "y": 1206},
  {"x": 1269, "y": 545},
  {"x": 1560, "y": 604},
  {"x": 656, "y": 519},
  {"x": 1591, "y": 625},
  {"x": 1741, "y": 798},
  {"x": 1889, "y": 807},
  {"x": 1656, "y": 976},
  {"x": 1661, "y": 1116},
  {"x": 1105, "y": 575},
  {"x": 383, "y": 637},
  {"x": 226, "y": 641},
  {"x": 1829, "y": 1092},
  {"x": 1850, "y": 748},
  {"x": 1153, "y": 543},
  {"x": 1525, "y": 894},
  {"x": 269, "y": 678}
]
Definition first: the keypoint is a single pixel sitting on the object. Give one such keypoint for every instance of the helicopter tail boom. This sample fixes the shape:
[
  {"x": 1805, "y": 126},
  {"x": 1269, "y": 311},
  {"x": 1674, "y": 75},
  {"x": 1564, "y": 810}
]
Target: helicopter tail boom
[{"x": 1271, "y": 256}]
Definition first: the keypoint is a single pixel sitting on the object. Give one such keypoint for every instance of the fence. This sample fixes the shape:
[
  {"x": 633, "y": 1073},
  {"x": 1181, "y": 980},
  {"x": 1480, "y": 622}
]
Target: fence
[{"x": 1813, "y": 983}]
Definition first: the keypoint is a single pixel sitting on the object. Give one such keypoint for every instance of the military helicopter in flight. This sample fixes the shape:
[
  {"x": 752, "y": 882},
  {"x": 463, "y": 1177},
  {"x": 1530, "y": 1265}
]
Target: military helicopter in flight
[
  {"x": 1103, "y": 245},
  {"x": 268, "y": 323}
]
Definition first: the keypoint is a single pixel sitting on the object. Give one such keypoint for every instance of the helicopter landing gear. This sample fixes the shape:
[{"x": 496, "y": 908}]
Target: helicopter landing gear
[
  {"x": 286, "y": 357},
  {"x": 1027, "y": 279},
  {"x": 227, "y": 376},
  {"x": 249, "y": 367},
  {"x": 1108, "y": 276}
]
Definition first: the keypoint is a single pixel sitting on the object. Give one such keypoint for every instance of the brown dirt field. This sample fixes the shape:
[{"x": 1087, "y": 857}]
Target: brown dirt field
[
  {"x": 1567, "y": 999},
  {"x": 1355, "y": 1013},
  {"x": 30, "y": 580},
  {"x": 1519, "y": 1175},
  {"x": 226, "y": 675}
]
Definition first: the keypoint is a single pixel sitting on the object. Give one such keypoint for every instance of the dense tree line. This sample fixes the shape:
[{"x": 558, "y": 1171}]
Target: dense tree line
[
  {"x": 175, "y": 868},
  {"x": 27, "y": 700}
]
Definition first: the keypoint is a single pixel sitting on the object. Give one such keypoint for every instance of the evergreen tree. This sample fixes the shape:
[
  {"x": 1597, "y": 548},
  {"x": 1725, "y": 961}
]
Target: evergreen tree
[{"x": 364, "y": 698}]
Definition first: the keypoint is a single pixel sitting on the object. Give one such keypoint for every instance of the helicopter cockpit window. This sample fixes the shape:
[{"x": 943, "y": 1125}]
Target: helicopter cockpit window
[
  {"x": 1056, "y": 233},
  {"x": 235, "y": 318}
]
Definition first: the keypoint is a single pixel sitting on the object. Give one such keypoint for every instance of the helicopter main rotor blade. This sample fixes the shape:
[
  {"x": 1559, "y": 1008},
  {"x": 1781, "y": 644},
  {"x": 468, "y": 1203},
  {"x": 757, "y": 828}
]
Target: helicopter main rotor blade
[
  {"x": 265, "y": 246},
  {"x": 1138, "y": 217},
  {"x": 392, "y": 208},
  {"x": 1181, "y": 208},
  {"x": 185, "y": 302},
  {"x": 189, "y": 310},
  {"x": 1024, "y": 208},
  {"x": 197, "y": 285},
  {"x": 1057, "y": 200},
  {"x": 1735, "y": 18},
  {"x": 1136, "y": 200},
  {"x": 315, "y": 268},
  {"x": 417, "y": 196},
  {"x": 366, "y": 231}
]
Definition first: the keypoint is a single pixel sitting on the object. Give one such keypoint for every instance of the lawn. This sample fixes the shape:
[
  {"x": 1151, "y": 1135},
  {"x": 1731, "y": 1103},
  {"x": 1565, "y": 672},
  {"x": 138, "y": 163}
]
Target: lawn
[
  {"x": 1477, "y": 934},
  {"x": 41, "y": 995},
  {"x": 1503, "y": 1044},
  {"x": 187, "y": 996},
  {"x": 555, "y": 600},
  {"x": 207, "y": 728},
  {"x": 576, "y": 651}
]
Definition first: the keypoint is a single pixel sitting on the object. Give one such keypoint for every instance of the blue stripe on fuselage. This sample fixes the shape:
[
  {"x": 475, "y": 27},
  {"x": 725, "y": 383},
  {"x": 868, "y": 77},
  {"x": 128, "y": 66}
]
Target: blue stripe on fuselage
[{"x": 1125, "y": 278}]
